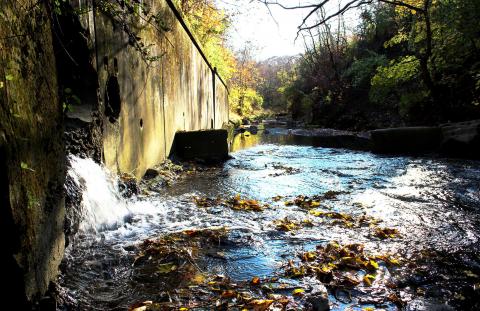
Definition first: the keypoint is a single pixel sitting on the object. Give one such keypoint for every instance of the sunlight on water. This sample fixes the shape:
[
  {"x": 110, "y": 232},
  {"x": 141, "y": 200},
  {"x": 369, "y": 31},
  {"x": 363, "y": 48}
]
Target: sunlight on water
[{"x": 433, "y": 203}]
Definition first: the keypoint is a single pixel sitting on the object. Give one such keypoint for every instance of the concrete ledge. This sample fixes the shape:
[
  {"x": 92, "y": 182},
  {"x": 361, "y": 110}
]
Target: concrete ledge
[
  {"x": 208, "y": 145},
  {"x": 406, "y": 140}
]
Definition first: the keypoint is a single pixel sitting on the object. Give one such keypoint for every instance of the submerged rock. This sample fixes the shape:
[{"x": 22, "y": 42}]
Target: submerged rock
[
  {"x": 425, "y": 305},
  {"x": 128, "y": 186},
  {"x": 318, "y": 298}
]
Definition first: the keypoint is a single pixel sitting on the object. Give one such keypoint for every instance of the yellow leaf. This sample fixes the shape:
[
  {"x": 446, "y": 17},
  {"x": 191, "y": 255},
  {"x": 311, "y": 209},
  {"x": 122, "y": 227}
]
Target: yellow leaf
[
  {"x": 316, "y": 213},
  {"x": 367, "y": 279},
  {"x": 260, "y": 304},
  {"x": 198, "y": 279},
  {"x": 308, "y": 256},
  {"x": 255, "y": 280},
  {"x": 372, "y": 265},
  {"x": 166, "y": 268},
  {"x": 393, "y": 261},
  {"x": 298, "y": 292}
]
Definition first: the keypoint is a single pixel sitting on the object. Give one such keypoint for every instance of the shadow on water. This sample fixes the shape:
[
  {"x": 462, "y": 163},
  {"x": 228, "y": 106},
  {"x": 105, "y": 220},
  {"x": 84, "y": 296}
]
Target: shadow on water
[{"x": 433, "y": 205}]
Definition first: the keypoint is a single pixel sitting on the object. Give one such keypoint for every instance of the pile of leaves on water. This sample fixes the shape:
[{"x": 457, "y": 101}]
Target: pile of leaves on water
[
  {"x": 314, "y": 201},
  {"x": 287, "y": 225},
  {"x": 170, "y": 263},
  {"x": 285, "y": 170},
  {"x": 355, "y": 221},
  {"x": 220, "y": 293},
  {"x": 343, "y": 268},
  {"x": 236, "y": 203},
  {"x": 339, "y": 219}
]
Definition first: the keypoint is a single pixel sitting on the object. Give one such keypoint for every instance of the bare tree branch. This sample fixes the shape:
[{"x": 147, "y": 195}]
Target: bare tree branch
[{"x": 352, "y": 4}]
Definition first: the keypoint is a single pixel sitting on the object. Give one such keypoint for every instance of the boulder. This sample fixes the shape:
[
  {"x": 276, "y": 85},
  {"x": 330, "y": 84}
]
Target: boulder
[
  {"x": 409, "y": 140},
  {"x": 331, "y": 138},
  {"x": 461, "y": 139}
]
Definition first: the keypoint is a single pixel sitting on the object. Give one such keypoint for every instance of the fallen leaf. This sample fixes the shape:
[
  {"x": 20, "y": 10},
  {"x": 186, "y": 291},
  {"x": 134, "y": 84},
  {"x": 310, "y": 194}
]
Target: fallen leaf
[
  {"x": 371, "y": 265},
  {"x": 166, "y": 267},
  {"x": 260, "y": 304},
  {"x": 298, "y": 292},
  {"x": 368, "y": 279},
  {"x": 229, "y": 294}
]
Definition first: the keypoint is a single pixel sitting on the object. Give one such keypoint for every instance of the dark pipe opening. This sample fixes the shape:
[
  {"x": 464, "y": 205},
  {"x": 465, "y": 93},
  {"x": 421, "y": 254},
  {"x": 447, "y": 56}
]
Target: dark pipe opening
[
  {"x": 105, "y": 62},
  {"x": 112, "y": 99}
]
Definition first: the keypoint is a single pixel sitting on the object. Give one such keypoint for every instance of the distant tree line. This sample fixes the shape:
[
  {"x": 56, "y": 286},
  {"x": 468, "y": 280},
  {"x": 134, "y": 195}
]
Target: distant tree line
[{"x": 407, "y": 62}]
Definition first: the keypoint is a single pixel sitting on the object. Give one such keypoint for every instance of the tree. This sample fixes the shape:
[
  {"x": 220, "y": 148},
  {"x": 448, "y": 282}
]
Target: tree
[
  {"x": 421, "y": 8},
  {"x": 277, "y": 73},
  {"x": 210, "y": 25},
  {"x": 245, "y": 100}
]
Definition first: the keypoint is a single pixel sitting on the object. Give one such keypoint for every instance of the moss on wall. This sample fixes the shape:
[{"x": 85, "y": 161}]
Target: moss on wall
[{"x": 32, "y": 153}]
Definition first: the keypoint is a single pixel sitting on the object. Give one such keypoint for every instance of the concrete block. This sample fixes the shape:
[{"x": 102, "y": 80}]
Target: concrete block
[{"x": 208, "y": 145}]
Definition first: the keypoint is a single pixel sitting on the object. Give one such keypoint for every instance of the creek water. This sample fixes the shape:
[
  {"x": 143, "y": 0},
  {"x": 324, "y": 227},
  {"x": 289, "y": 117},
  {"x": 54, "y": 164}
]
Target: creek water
[{"x": 433, "y": 203}]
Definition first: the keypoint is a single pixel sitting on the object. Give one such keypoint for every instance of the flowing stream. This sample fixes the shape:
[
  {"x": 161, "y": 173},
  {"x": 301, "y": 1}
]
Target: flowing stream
[{"x": 433, "y": 203}]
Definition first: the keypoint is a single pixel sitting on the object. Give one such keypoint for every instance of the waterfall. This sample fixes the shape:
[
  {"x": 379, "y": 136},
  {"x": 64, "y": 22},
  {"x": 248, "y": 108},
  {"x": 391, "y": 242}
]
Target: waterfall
[{"x": 103, "y": 207}]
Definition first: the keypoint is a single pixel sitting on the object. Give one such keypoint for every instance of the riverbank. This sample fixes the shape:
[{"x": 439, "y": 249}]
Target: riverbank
[{"x": 460, "y": 140}]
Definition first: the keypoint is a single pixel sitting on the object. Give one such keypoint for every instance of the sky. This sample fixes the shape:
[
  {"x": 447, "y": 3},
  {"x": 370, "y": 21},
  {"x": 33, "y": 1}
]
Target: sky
[{"x": 272, "y": 33}]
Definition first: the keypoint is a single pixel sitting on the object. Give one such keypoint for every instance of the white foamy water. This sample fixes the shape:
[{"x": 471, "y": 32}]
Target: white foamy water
[
  {"x": 105, "y": 211},
  {"x": 102, "y": 205}
]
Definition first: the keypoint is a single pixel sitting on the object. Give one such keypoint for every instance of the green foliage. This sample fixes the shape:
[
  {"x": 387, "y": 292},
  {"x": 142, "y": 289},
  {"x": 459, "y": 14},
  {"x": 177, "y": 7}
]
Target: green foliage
[
  {"x": 277, "y": 74},
  {"x": 245, "y": 102},
  {"x": 32, "y": 200},
  {"x": 69, "y": 99},
  {"x": 209, "y": 25},
  {"x": 389, "y": 79},
  {"x": 362, "y": 70},
  {"x": 24, "y": 166}
]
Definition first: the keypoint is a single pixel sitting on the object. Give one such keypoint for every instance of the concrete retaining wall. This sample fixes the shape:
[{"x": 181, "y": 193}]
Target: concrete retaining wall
[
  {"x": 180, "y": 91},
  {"x": 32, "y": 158}
]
